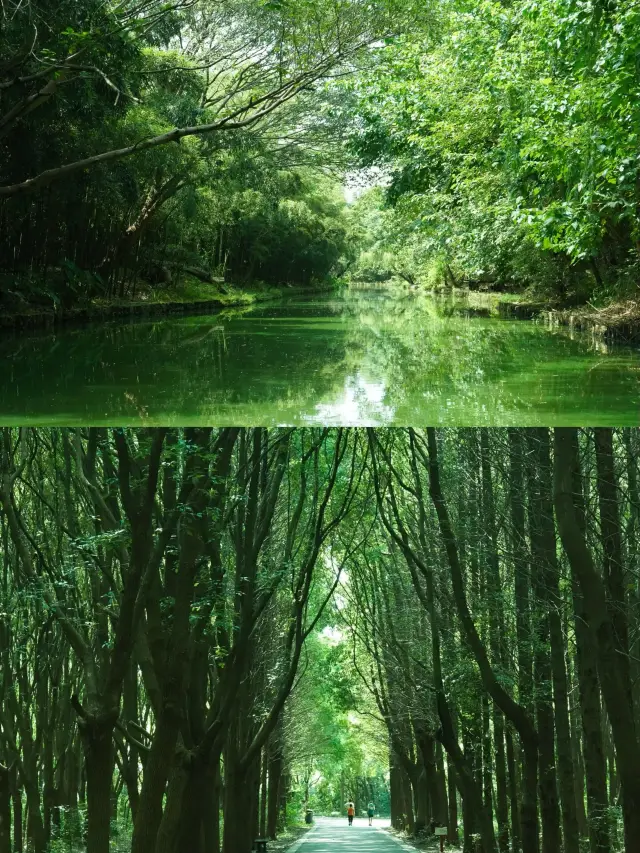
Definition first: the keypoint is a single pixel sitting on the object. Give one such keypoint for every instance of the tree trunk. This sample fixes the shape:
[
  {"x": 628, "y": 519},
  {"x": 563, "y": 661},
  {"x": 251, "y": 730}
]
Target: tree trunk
[
  {"x": 97, "y": 740},
  {"x": 496, "y": 633},
  {"x": 613, "y": 673},
  {"x": 452, "y": 820},
  {"x": 545, "y": 722},
  {"x": 395, "y": 792},
  {"x": 419, "y": 786},
  {"x": 591, "y": 715},
  {"x": 553, "y": 602},
  {"x": 212, "y": 814},
  {"x": 514, "y": 802},
  {"x": 408, "y": 813},
  {"x": 632, "y": 450},
  {"x": 515, "y": 712},
  {"x": 275, "y": 782},
  {"x": 440, "y": 799},
  {"x": 5, "y": 810},
  {"x": 578, "y": 763},
  {"x": 529, "y": 800},
  {"x": 17, "y": 810},
  {"x": 612, "y": 552},
  {"x": 240, "y": 790},
  {"x": 156, "y": 774}
]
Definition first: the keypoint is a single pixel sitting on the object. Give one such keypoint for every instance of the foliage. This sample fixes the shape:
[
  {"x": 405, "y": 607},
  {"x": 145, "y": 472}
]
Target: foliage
[
  {"x": 201, "y": 622},
  {"x": 92, "y": 176},
  {"x": 510, "y": 137}
]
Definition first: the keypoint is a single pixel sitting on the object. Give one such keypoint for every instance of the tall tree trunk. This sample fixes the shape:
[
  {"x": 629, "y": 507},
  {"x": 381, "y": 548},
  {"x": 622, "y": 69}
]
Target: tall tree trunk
[
  {"x": 578, "y": 763},
  {"x": 156, "y": 774},
  {"x": 419, "y": 786},
  {"x": 632, "y": 452},
  {"x": 395, "y": 792},
  {"x": 440, "y": 798},
  {"x": 263, "y": 791},
  {"x": 514, "y": 801},
  {"x": 515, "y": 712},
  {"x": 452, "y": 819},
  {"x": 240, "y": 788},
  {"x": 610, "y": 532},
  {"x": 496, "y": 632},
  {"x": 97, "y": 739},
  {"x": 5, "y": 810},
  {"x": 16, "y": 799},
  {"x": 553, "y": 601},
  {"x": 591, "y": 716},
  {"x": 408, "y": 812},
  {"x": 613, "y": 673},
  {"x": 529, "y": 798},
  {"x": 545, "y": 721},
  {"x": 212, "y": 814},
  {"x": 275, "y": 783}
]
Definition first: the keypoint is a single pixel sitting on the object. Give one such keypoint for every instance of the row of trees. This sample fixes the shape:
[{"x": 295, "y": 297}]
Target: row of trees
[
  {"x": 495, "y": 620},
  {"x": 200, "y": 627},
  {"x": 334, "y": 747},
  {"x": 508, "y": 133},
  {"x": 157, "y": 590}
]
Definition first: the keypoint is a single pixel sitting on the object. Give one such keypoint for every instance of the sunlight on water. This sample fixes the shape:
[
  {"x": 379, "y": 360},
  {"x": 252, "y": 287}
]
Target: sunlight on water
[{"x": 359, "y": 358}]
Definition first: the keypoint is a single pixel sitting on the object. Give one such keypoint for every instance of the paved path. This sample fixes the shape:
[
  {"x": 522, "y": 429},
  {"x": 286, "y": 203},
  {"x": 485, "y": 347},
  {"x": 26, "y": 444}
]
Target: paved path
[{"x": 334, "y": 835}]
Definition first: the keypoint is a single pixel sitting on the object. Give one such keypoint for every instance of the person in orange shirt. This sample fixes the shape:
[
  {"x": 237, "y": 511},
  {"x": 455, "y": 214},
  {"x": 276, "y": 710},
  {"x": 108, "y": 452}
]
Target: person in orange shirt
[{"x": 351, "y": 810}]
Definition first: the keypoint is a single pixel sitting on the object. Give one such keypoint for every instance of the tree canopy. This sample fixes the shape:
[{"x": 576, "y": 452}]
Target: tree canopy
[
  {"x": 145, "y": 139},
  {"x": 509, "y": 135},
  {"x": 205, "y": 632}
]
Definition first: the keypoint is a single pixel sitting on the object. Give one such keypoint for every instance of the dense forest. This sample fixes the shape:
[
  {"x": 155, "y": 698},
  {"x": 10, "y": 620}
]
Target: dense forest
[
  {"x": 508, "y": 132},
  {"x": 146, "y": 141},
  {"x": 148, "y": 138},
  {"x": 205, "y": 631}
]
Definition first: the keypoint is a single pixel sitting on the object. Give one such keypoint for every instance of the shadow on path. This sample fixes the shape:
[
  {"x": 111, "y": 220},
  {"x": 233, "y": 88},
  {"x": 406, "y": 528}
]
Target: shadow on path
[{"x": 333, "y": 835}]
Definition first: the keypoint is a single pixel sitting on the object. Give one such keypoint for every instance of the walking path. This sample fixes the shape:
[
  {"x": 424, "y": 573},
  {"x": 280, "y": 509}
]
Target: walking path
[{"x": 334, "y": 835}]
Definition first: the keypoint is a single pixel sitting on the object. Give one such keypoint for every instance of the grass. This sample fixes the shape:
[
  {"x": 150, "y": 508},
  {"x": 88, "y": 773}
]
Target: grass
[
  {"x": 288, "y": 837},
  {"x": 189, "y": 290}
]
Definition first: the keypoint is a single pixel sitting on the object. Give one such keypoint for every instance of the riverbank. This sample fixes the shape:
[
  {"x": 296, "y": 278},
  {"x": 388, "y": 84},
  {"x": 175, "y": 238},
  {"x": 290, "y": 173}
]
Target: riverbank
[
  {"x": 618, "y": 323},
  {"x": 187, "y": 297}
]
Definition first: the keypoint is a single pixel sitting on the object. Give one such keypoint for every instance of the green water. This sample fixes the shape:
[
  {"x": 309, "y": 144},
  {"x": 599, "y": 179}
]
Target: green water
[{"x": 360, "y": 358}]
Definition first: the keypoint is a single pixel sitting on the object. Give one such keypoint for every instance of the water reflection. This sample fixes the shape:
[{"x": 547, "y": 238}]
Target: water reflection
[{"x": 361, "y": 358}]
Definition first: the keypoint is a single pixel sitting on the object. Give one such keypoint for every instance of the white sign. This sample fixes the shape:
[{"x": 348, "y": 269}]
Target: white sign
[{"x": 442, "y": 830}]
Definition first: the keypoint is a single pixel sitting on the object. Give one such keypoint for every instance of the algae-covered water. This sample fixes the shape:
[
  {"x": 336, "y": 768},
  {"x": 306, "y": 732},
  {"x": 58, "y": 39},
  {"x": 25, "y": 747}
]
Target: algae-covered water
[{"x": 362, "y": 357}]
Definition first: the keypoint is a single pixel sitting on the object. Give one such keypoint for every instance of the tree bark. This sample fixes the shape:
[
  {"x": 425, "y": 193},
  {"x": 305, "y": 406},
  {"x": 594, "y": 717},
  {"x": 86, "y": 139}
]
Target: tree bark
[
  {"x": 275, "y": 781},
  {"x": 5, "y": 810},
  {"x": 553, "y": 603},
  {"x": 542, "y": 551},
  {"x": 515, "y": 712},
  {"x": 613, "y": 673},
  {"x": 97, "y": 739},
  {"x": 614, "y": 573}
]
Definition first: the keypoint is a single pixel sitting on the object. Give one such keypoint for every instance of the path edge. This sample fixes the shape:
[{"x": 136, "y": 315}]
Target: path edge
[
  {"x": 298, "y": 844},
  {"x": 402, "y": 844}
]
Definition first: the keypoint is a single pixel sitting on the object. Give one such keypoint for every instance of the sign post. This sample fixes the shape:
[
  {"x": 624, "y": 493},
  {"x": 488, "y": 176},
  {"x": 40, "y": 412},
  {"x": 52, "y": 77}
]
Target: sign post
[{"x": 442, "y": 831}]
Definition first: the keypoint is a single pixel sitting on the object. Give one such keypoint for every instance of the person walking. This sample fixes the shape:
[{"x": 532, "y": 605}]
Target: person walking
[
  {"x": 351, "y": 810},
  {"x": 371, "y": 810}
]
